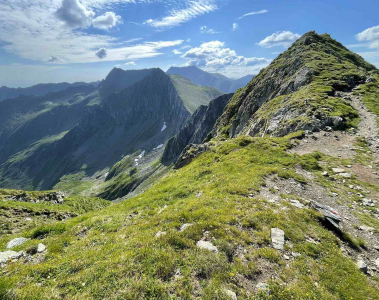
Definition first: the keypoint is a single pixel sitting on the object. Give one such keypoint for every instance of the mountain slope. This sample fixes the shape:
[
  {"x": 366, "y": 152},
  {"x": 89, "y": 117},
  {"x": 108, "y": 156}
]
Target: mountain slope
[
  {"x": 260, "y": 217},
  {"x": 196, "y": 129},
  {"x": 39, "y": 89},
  {"x": 193, "y": 95},
  {"x": 299, "y": 90},
  {"x": 218, "y": 81}
]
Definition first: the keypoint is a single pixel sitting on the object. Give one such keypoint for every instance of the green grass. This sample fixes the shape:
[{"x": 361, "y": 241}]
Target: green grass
[
  {"x": 193, "y": 95},
  {"x": 113, "y": 253}
]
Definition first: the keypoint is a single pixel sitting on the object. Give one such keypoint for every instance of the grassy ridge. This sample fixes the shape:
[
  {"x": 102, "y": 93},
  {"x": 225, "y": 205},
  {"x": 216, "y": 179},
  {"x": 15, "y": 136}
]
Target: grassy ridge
[{"x": 114, "y": 253}]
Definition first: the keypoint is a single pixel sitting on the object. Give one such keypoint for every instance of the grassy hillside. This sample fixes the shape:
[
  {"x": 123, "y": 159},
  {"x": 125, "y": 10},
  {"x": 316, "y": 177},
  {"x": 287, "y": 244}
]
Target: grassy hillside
[
  {"x": 194, "y": 95},
  {"x": 116, "y": 253}
]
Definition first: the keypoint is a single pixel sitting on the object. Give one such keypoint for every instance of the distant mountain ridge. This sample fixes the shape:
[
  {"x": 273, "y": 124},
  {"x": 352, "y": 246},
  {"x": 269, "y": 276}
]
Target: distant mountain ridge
[
  {"x": 218, "y": 81},
  {"x": 39, "y": 89}
]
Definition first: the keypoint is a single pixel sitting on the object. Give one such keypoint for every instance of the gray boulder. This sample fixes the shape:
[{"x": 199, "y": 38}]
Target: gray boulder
[
  {"x": 7, "y": 255},
  {"x": 277, "y": 238},
  {"x": 16, "y": 242}
]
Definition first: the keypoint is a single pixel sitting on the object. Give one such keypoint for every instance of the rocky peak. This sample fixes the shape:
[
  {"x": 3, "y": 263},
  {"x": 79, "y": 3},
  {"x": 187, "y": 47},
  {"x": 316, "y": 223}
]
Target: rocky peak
[{"x": 297, "y": 90}]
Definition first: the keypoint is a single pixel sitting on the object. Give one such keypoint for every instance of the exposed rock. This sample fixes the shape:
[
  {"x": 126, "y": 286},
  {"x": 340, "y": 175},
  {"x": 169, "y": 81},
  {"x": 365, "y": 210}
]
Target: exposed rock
[
  {"x": 377, "y": 262},
  {"x": 189, "y": 153},
  {"x": 277, "y": 238},
  {"x": 296, "y": 203},
  {"x": 185, "y": 226},
  {"x": 361, "y": 265},
  {"x": 366, "y": 228},
  {"x": 207, "y": 246},
  {"x": 52, "y": 197},
  {"x": 325, "y": 173},
  {"x": 16, "y": 242},
  {"x": 296, "y": 254},
  {"x": 160, "y": 233},
  {"x": 338, "y": 170},
  {"x": 262, "y": 287},
  {"x": 196, "y": 129},
  {"x": 345, "y": 175},
  {"x": 367, "y": 202},
  {"x": 41, "y": 248},
  {"x": 331, "y": 216},
  {"x": 232, "y": 295},
  {"x": 7, "y": 255},
  {"x": 286, "y": 257}
]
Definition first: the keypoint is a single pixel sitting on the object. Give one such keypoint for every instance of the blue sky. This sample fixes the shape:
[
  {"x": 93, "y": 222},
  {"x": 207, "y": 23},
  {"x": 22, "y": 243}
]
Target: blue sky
[{"x": 82, "y": 40}]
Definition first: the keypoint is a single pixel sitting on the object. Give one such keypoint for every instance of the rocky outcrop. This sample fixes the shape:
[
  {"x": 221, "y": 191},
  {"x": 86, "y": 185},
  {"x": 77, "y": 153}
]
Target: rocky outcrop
[
  {"x": 53, "y": 197},
  {"x": 196, "y": 129},
  {"x": 298, "y": 91},
  {"x": 189, "y": 153}
]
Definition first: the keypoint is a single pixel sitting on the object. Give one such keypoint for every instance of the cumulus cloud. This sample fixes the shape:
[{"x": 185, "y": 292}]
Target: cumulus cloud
[
  {"x": 280, "y": 38},
  {"x": 370, "y": 35},
  {"x": 101, "y": 53},
  {"x": 176, "y": 17},
  {"x": 214, "y": 56},
  {"x": 206, "y": 30},
  {"x": 263, "y": 11},
  {"x": 130, "y": 63},
  {"x": 74, "y": 14},
  {"x": 106, "y": 21},
  {"x": 235, "y": 26}
]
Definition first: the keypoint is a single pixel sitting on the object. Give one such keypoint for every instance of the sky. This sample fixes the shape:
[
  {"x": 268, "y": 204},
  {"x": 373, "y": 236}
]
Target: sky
[{"x": 82, "y": 40}]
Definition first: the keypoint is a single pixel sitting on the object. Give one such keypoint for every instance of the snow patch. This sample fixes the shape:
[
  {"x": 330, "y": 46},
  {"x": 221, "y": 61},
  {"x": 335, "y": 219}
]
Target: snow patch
[
  {"x": 142, "y": 154},
  {"x": 158, "y": 147},
  {"x": 164, "y": 126}
]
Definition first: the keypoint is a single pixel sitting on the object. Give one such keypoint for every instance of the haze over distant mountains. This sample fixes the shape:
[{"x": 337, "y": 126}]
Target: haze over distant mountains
[
  {"x": 39, "y": 89},
  {"x": 218, "y": 81}
]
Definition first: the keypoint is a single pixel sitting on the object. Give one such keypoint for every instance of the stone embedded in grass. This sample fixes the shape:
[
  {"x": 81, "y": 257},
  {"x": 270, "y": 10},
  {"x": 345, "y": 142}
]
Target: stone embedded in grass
[
  {"x": 331, "y": 216},
  {"x": 262, "y": 287},
  {"x": 232, "y": 295},
  {"x": 367, "y": 202},
  {"x": 345, "y": 175},
  {"x": 296, "y": 203},
  {"x": 361, "y": 265},
  {"x": 325, "y": 173},
  {"x": 338, "y": 170},
  {"x": 296, "y": 254},
  {"x": 16, "y": 242},
  {"x": 207, "y": 246},
  {"x": 7, "y": 255},
  {"x": 160, "y": 233},
  {"x": 185, "y": 226},
  {"x": 41, "y": 248},
  {"x": 277, "y": 238},
  {"x": 366, "y": 228}
]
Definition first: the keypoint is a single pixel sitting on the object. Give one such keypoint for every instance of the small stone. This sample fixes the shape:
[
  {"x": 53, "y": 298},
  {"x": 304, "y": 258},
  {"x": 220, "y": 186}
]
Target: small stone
[
  {"x": 349, "y": 166},
  {"x": 286, "y": 257},
  {"x": 361, "y": 265},
  {"x": 41, "y": 248},
  {"x": 207, "y": 246},
  {"x": 28, "y": 219},
  {"x": 334, "y": 194},
  {"x": 338, "y": 170},
  {"x": 377, "y": 262},
  {"x": 296, "y": 203},
  {"x": 232, "y": 295},
  {"x": 325, "y": 173},
  {"x": 7, "y": 255},
  {"x": 295, "y": 254},
  {"x": 198, "y": 194},
  {"x": 185, "y": 226},
  {"x": 16, "y": 242},
  {"x": 160, "y": 233},
  {"x": 345, "y": 175},
  {"x": 277, "y": 238},
  {"x": 262, "y": 287},
  {"x": 366, "y": 228}
]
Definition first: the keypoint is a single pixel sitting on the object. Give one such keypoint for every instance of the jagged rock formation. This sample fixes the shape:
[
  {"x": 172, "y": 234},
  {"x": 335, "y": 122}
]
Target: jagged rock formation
[
  {"x": 196, "y": 129},
  {"x": 218, "y": 81},
  {"x": 298, "y": 91},
  {"x": 39, "y": 89}
]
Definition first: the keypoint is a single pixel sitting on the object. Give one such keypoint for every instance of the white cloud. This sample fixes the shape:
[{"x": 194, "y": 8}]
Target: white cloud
[
  {"x": 235, "y": 26},
  {"x": 101, "y": 53},
  {"x": 26, "y": 23},
  {"x": 214, "y": 56},
  {"x": 74, "y": 14},
  {"x": 280, "y": 38},
  {"x": 106, "y": 21},
  {"x": 206, "y": 30},
  {"x": 176, "y": 17},
  {"x": 177, "y": 52},
  {"x": 370, "y": 35},
  {"x": 130, "y": 63},
  {"x": 263, "y": 11}
]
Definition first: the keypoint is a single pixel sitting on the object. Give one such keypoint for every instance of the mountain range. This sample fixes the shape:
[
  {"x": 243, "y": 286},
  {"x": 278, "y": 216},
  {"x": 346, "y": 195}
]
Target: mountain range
[
  {"x": 218, "y": 81},
  {"x": 270, "y": 192}
]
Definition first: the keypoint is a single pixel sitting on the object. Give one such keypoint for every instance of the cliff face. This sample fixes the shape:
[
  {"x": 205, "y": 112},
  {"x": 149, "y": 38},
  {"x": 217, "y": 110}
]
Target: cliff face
[
  {"x": 297, "y": 91},
  {"x": 196, "y": 128}
]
